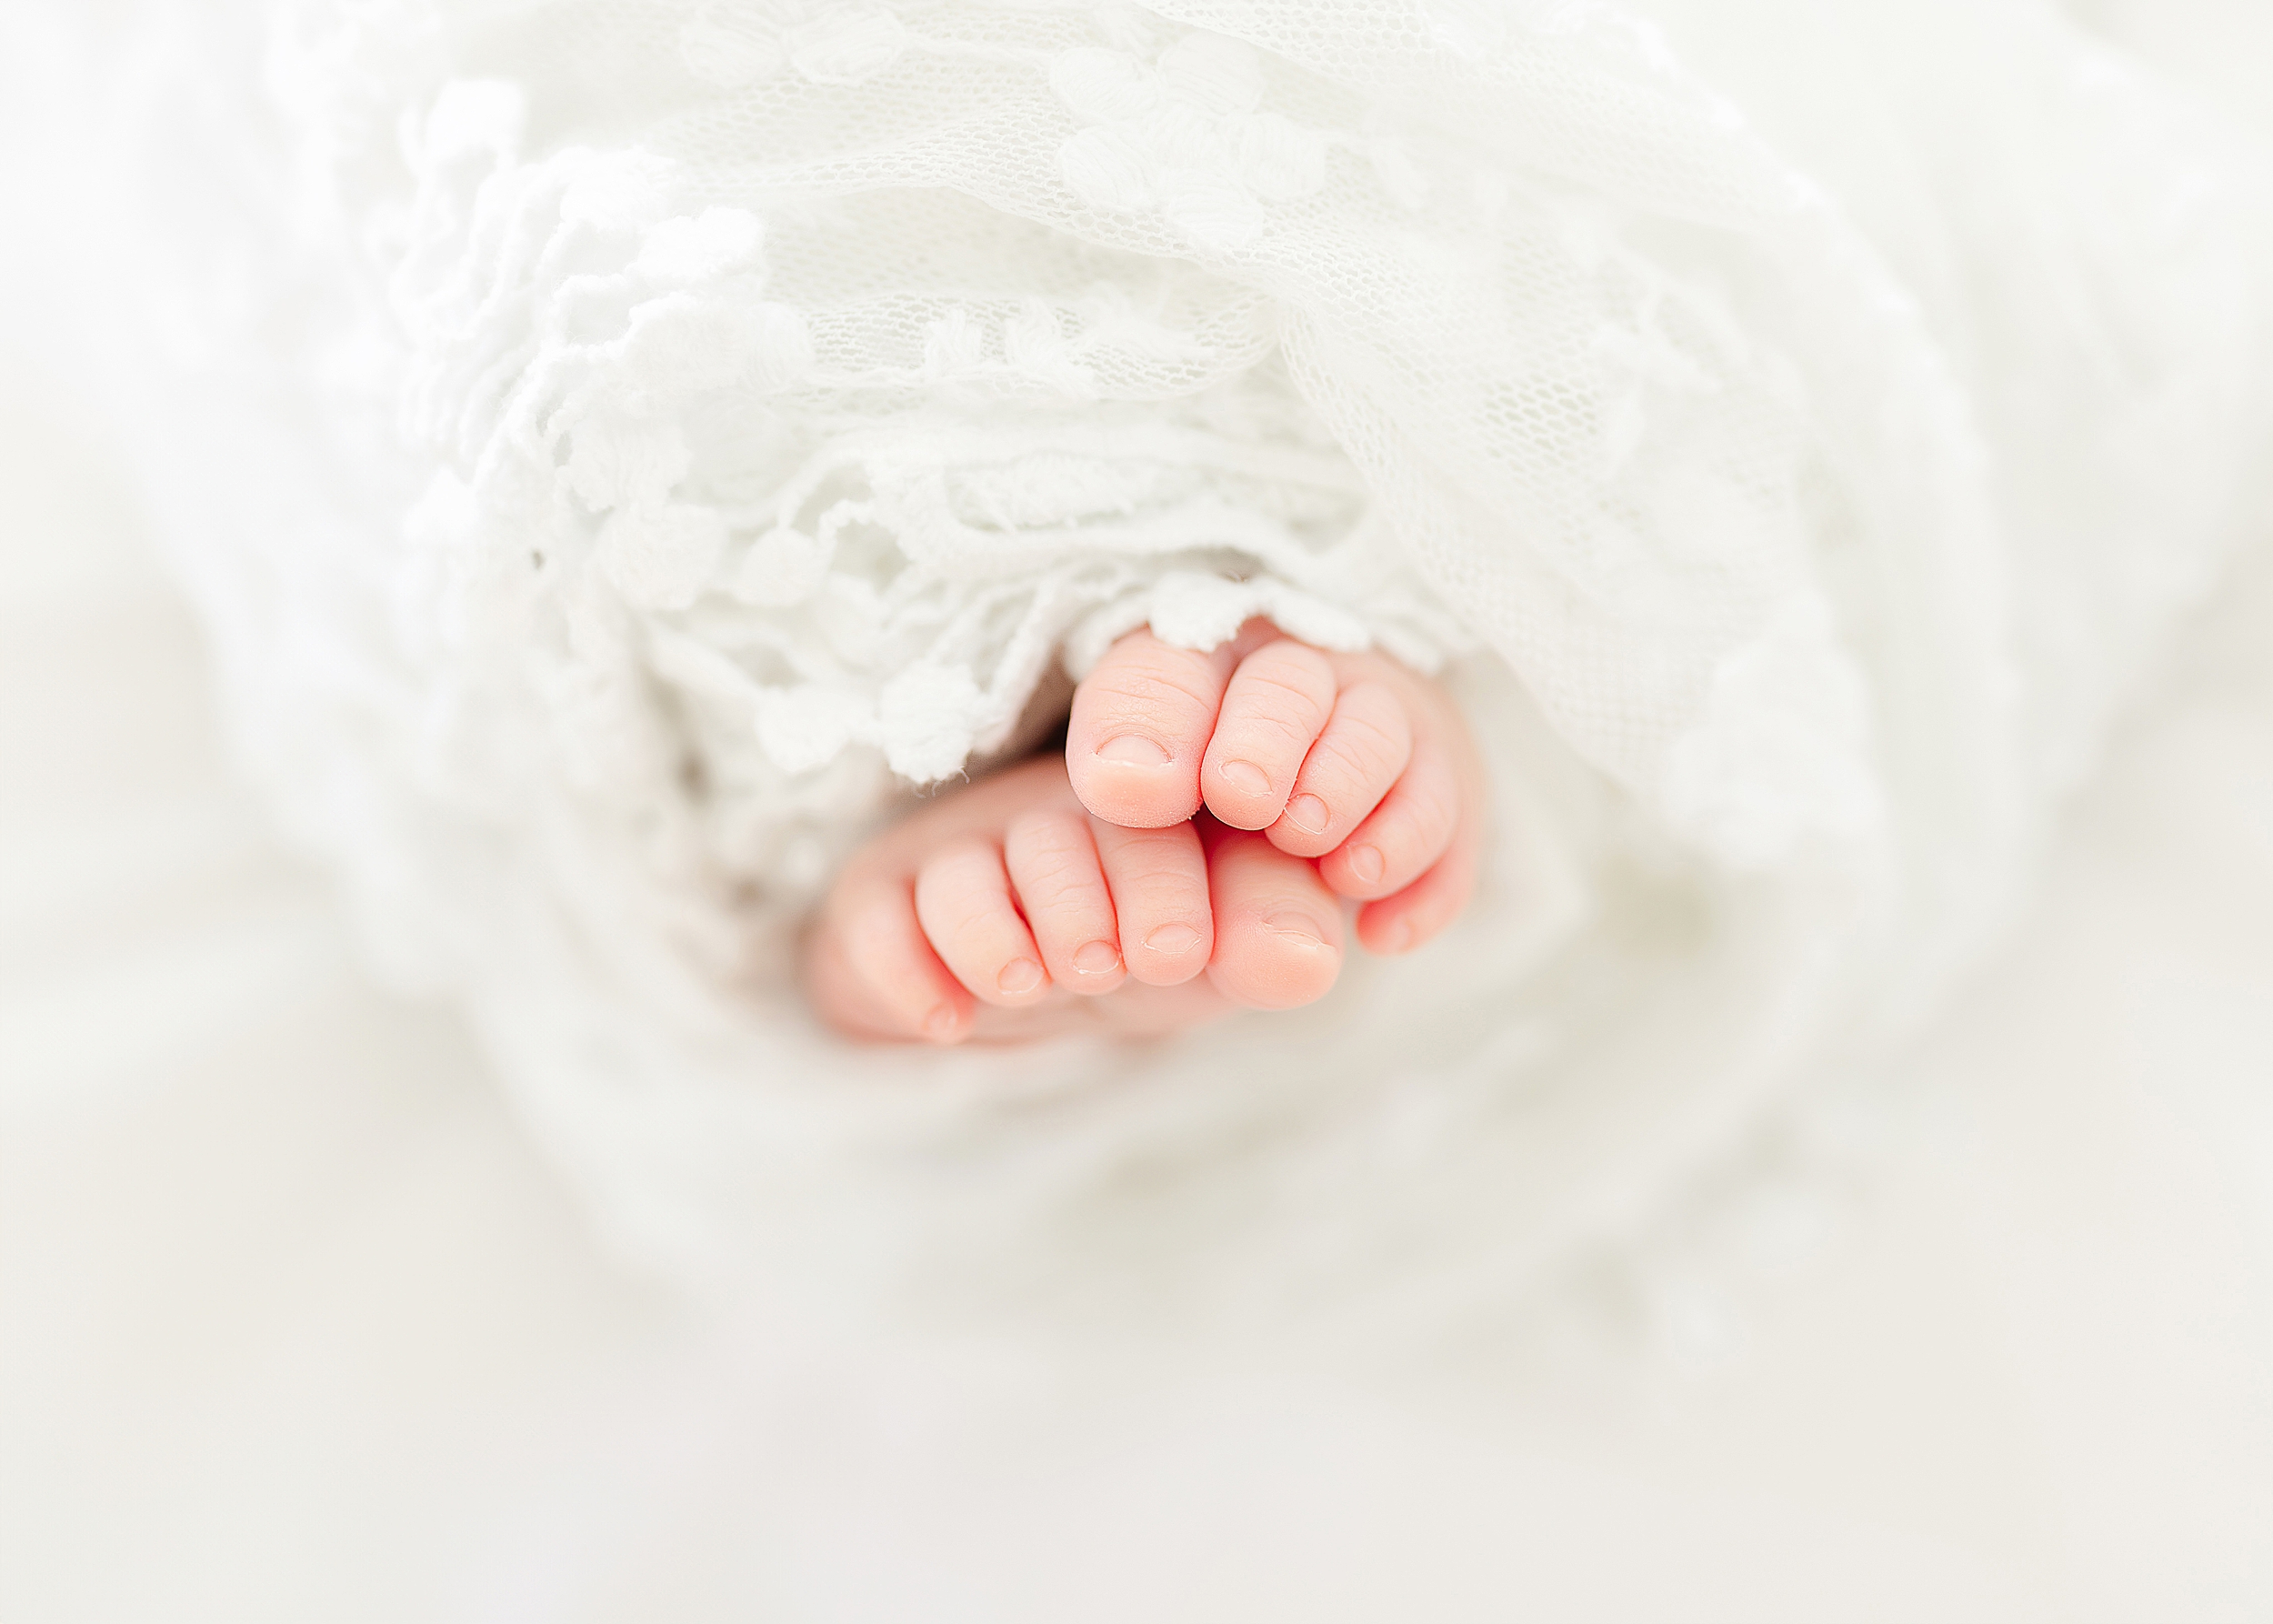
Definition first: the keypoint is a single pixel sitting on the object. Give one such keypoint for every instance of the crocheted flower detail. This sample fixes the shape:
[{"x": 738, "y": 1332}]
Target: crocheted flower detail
[
  {"x": 1095, "y": 344},
  {"x": 612, "y": 361},
  {"x": 1183, "y": 138},
  {"x": 733, "y": 44}
]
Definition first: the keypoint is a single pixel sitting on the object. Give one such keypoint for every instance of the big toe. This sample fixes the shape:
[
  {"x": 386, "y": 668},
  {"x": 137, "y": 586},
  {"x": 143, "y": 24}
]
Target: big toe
[
  {"x": 1278, "y": 930},
  {"x": 1139, "y": 730}
]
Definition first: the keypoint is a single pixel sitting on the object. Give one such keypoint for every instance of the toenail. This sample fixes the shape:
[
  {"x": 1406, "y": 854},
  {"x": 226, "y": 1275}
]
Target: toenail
[
  {"x": 1097, "y": 958},
  {"x": 1400, "y": 937},
  {"x": 940, "y": 1025},
  {"x": 1245, "y": 777},
  {"x": 1306, "y": 813},
  {"x": 1299, "y": 926},
  {"x": 1173, "y": 939},
  {"x": 1133, "y": 749},
  {"x": 1365, "y": 862},
  {"x": 1019, "y": 975}
]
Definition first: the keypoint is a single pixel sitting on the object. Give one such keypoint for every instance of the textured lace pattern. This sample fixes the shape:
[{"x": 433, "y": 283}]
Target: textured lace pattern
[
  {"x": 776, "y": 504},
  {"x": 665, "y": 435}
]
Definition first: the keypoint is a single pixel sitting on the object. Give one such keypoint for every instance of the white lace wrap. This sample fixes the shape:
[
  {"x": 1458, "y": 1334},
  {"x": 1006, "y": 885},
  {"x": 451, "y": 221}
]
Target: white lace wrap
[{"x": 623, "y": 445}]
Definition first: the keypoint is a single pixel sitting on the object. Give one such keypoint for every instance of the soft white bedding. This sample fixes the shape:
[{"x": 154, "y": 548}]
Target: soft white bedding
[
  {"x": 623, "y": 449},
  {"x": 297, "y": 1327},
  {"x": 1724, "y": 1251}
]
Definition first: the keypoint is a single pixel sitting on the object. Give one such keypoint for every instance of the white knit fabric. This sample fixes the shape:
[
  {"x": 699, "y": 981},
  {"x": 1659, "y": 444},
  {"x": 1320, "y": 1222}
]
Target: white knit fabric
[{"x": 626, "y": 447}]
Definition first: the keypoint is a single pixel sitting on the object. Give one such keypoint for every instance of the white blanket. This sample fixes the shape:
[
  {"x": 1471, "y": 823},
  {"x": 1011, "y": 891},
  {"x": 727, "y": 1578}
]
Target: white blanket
[{"x": 622, "y": 451}]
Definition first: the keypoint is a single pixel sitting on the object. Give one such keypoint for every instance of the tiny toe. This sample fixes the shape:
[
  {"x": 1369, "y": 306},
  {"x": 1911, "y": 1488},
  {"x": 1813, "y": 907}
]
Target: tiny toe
[
  {"x": 1400, "y": 923},
  {"x": 1053, "y": 863},
  {"x": 1159, "y": 878},
  {"x": 1366, "y": 743},
  {"x": 876, "y": 974},
  {"x": 1404, "y": 837},
  {"x": 964, "y": 903},
  {"x": 1278, "y": 930},
  {"x": 1139, "y": 727},
  {"x": 1275, "y": 703}
]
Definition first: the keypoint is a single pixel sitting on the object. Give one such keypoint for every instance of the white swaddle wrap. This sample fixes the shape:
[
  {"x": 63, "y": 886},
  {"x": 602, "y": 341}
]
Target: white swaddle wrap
[{"x": 624, "y": 447}]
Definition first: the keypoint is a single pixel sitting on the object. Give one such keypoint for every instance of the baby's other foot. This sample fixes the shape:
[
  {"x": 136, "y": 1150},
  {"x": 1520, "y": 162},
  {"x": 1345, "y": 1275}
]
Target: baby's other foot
[
  {"x": 1005, "y": 912},
  {"x": 1348, "y": 758}
]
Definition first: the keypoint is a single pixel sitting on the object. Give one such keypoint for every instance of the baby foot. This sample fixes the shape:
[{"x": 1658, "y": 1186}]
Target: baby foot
[
  {"x": 1005, "y": 912},
  {"x": 1350, "y": 759}
]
